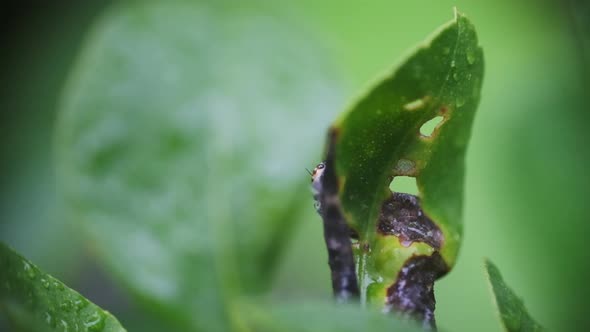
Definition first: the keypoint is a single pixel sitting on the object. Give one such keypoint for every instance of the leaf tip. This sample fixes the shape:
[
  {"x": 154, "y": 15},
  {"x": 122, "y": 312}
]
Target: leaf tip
[
  {"x": 487, "y": 263},
  {"x": 509, "y": 306},
  {"x": 456, "y": 12},
  {"x": 492, "y": 273}
]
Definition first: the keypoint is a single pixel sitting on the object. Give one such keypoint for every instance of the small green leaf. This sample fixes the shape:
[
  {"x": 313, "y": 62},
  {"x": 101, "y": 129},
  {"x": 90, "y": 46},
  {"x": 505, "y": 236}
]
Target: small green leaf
[
  {"x": 380, "y": 138},
  {"x": 514, "y": 315},
  {"x": 35, "y": 301}
]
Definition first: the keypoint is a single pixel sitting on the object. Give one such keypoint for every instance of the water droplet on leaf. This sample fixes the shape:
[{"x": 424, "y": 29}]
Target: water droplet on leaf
[
  {"x": 460, "y": 101},
  {"x": 66, "y": 305},
  {"x": 49, "y": 319},
  {"x": 80, "y": 304},
  {"x": 29, "y": 270},
  {"x": 64, "y": 325},
  {"x": 58, "y": 285},
  {"x": 95, "y": 322},
  {"x": 470, "y": 56}
]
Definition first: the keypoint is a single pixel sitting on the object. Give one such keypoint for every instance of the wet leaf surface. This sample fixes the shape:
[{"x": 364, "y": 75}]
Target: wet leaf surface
[
  {"x": 35, "y": 301},
  {"x": 180, "y": 146}
]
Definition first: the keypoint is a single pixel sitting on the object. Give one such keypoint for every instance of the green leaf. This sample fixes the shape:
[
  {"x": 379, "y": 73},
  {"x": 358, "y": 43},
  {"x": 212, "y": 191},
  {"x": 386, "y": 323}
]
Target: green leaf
[
  {"x": 514, "y": 315},
  {"x": 35, "y": 301},
  {"x": 380, "y": 138},
  {"x": 317, "y": 317},
  {"x": 180, "y": 146}
]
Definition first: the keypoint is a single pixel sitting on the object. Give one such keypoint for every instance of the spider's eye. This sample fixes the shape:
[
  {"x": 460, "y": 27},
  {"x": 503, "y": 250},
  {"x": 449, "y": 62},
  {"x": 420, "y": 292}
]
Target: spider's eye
[{"x": 320, "y": 166}]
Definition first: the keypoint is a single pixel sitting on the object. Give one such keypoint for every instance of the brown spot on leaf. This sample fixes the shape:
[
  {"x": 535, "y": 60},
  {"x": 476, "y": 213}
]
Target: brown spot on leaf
[
  {"x": 412, "y": 294},
  {"x": 402, "y": 216}
]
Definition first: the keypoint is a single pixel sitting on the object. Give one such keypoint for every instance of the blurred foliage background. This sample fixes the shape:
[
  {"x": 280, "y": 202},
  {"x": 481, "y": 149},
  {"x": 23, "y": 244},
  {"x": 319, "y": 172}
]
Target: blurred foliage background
[{"x": 526, "y": 178}]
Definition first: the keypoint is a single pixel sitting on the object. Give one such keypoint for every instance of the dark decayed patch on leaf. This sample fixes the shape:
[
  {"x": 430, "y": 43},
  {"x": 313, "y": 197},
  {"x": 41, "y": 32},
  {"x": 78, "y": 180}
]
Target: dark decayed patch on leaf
[
  {"x": 402, "y": 217},
  {"x": 35, "y": 301},
  {"x": 513, "y": 314},
  {"x": 413, "y": 292},
  {"x": 380, "y": 138}
]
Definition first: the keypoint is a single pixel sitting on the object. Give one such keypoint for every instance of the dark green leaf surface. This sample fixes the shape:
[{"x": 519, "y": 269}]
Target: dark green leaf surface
[
  {"x": 181, "y": 140},
  {"x": 35, "y": 301},
  {"x": 513, "y": 314},
  {"x": 379, "y": 138}
]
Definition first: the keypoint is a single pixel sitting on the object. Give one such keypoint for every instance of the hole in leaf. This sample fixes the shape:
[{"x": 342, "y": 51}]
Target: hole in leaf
[
  {"x": 404, "y": 184},
  {"x": 428, "y": 127}
]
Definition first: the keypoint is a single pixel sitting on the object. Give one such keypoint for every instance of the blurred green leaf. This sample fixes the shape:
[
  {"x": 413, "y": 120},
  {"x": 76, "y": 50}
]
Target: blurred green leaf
[
  {"x": 318, "y": 317},
  {"x": 36, "y": 301},
  {"x": 181, "y": 143},
  {"x": 579, "y": 11},
  {"x": 380, "y": 138},
  {"x": 514, "y": 315}
]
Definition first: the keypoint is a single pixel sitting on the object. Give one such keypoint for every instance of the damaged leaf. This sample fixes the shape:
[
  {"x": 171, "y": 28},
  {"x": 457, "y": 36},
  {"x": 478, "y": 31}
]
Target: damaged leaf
[
  {"x": 381, "y": 137},
  {"x": 35, "y": 301},
  {"x": 513, "y": 314}
]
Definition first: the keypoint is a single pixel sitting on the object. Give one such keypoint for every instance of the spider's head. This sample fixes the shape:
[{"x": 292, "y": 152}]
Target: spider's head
[{"x": 316, "y": 176}]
